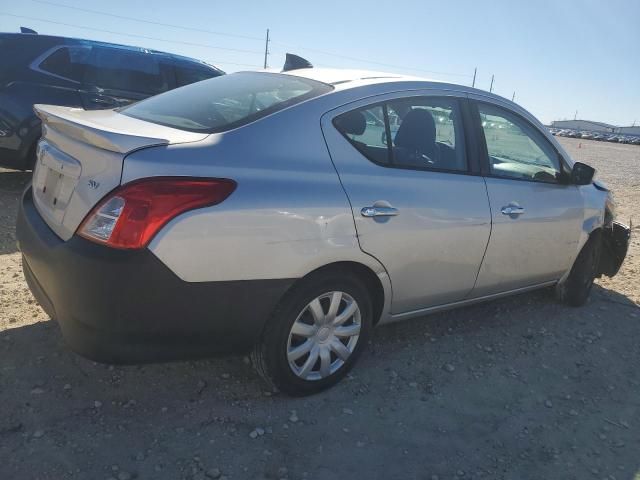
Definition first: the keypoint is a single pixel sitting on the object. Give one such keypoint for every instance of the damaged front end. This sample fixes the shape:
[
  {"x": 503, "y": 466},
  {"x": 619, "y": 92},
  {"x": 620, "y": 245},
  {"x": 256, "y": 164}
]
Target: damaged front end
[
  {"x": 615, "y": 238},
  {"x": 615, "y": 243}
]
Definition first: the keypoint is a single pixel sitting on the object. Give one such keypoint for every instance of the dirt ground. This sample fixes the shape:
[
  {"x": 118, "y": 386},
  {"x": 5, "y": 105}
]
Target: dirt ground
[{"x": 521, "y": 388}]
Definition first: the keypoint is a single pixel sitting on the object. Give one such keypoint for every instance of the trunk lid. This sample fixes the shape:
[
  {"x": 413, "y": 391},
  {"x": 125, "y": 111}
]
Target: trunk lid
[{"x": 80, "y": 159}]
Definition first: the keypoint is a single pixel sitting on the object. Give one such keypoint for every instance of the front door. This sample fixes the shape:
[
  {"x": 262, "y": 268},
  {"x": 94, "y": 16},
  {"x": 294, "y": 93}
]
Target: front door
[
  {"x": 418, "y": 206},
  {"x": 536, "y": 215}
]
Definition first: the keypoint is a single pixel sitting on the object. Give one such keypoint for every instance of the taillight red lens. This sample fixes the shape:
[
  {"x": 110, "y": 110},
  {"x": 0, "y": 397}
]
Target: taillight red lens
[{"x": 131, "y": 215}]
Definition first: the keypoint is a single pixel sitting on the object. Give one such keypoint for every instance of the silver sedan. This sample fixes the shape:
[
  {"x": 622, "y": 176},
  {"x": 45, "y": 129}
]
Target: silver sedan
[{"x": 287, "y": 214}]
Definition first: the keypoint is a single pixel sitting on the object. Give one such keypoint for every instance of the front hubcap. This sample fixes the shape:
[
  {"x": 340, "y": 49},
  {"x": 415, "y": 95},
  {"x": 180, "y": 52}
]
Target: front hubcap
[{"x": 324, "y": 336}]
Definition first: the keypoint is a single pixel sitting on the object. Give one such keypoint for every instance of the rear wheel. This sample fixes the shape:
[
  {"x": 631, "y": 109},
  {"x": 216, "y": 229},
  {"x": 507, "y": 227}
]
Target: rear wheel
[
  {"x": 316, "y": 334},
  {"x": 577, "y": 287}
]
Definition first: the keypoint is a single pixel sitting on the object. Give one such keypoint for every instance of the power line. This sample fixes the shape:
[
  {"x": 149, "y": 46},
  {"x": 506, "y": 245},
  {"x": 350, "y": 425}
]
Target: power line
[
  {"x": 134, "y": 35},
  {"x": 361, "y": 60},
  {"x": 171, "y": 25},
  {"x": 150, "y": 22},
  {"x": 322, "y": 52}
]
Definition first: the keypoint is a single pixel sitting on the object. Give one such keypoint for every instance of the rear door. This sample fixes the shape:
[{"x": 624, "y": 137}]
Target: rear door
[
  {"x": 419, "y": 206},
  {"x": 536, "y": 215},
  {"x": 115, "y": 77}
]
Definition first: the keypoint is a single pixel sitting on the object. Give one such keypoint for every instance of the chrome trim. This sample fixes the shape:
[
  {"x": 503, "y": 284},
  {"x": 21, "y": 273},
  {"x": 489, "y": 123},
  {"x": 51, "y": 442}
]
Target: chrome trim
[
  {"x": 379, "y": 212},
  {"x": 512, "y": 210},
  {"x": 462, "y": 303}
]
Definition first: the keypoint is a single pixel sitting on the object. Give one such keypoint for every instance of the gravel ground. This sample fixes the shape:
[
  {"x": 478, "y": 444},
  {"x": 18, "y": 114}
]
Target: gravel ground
[{"x": 522, "y": 388}]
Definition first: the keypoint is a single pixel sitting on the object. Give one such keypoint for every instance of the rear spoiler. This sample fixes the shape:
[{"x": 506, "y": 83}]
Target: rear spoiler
[{"x": 107, "y": 129}]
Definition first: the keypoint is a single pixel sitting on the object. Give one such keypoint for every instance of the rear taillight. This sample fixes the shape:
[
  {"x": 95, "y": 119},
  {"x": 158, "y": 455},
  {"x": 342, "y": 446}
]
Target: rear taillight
[{"x": 131, "y": 215}]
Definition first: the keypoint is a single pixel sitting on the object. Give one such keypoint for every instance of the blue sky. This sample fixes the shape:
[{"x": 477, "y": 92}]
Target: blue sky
[{"x": 558, "y": 56}]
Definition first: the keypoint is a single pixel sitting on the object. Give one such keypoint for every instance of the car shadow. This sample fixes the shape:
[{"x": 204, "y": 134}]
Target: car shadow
[
  {"x": 12, "y": 184},
  {"x": 523, "y": 387}
]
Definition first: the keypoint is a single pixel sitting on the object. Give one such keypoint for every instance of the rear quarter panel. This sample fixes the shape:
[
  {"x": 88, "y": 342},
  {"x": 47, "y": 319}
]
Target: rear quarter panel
[{"x": 288, "y": 216}]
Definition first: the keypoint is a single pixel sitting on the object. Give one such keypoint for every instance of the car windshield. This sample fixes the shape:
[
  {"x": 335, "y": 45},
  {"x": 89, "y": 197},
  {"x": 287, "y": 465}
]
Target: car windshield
[{"x": 225, "y": 102}]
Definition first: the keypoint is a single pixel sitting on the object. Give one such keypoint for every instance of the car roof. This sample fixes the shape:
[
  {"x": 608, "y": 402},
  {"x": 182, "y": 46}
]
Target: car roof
[
  {"x": 338, "y": 76},
  {"x": 343, "y": 79}
]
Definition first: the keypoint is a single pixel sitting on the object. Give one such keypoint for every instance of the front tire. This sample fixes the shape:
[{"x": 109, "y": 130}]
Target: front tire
[
  {"x": 577, "y": 287},
  {"x": 316, "y": 333}
]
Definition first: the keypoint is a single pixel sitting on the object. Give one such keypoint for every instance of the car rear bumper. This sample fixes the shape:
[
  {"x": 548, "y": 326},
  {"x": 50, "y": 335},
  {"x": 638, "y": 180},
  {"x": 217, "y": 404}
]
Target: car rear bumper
[{"x": 118, "y": 306}]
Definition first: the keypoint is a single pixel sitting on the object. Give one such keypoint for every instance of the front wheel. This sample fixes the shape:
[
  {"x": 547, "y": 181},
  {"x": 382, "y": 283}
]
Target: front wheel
[
  {"x": 316, "y": 334},
  {"x": 577, "y": 287}
]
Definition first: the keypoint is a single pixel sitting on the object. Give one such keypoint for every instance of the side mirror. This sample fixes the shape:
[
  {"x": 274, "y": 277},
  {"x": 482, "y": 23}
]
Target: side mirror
[{"x": 582, "y": 174}]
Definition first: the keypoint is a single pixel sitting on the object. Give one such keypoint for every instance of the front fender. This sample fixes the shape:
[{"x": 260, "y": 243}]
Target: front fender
[{"x": 594, "y": 201}]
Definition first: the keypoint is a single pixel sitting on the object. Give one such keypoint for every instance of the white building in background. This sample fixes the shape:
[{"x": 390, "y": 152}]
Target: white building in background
[
  {"x": 586, "y": 125},
  {"x": 591, "y": 126},
  {"x": 628, "y": 130}
]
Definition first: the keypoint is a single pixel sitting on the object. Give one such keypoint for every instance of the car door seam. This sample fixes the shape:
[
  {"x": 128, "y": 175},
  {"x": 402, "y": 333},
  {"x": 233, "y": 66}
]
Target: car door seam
[
  {"x": 355, "y": 228},
  {"x": 486, "y": 247}
]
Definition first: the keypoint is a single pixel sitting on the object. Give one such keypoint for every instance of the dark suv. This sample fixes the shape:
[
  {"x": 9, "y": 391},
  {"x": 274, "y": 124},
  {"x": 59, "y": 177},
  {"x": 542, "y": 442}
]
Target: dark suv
[{"x": 77, "y": 73}]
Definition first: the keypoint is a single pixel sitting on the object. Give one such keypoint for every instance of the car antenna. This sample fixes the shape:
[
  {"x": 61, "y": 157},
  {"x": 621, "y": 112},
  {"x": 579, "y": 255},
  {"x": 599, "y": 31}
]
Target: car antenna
[
  {"x": 28, "y": 30},
  {"x": 294, "y": 62}
]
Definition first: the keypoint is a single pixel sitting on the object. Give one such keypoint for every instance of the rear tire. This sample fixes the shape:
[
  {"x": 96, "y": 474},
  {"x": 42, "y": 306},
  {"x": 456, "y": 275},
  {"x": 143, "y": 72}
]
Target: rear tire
[
  {"x": 328, "y": 316},
  {"x": 577, "y": 287}
]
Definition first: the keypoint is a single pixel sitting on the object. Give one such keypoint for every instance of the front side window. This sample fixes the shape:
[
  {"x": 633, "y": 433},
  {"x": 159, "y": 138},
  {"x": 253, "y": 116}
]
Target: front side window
[
  {"x": 128, "y": 70},
  {"x": 226, "y": 102},
  {"x": 67, "y": 62},
  {"x": 413, "y": 132},
  {"x": 516, "y": 149}
]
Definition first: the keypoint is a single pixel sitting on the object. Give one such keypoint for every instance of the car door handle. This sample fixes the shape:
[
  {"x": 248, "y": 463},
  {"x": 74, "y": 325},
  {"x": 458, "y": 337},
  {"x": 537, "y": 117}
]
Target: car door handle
[
  {"x": 512, "y": 210},
  {"x": 379, "y": 212}
]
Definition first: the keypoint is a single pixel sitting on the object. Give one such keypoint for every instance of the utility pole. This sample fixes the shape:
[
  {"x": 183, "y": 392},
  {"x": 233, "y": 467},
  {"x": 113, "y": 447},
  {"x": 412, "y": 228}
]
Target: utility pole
[
  {"x": 266, "y": 49},
  {"x": 575, "y": 115},
  {"x": 475, "y": 70},
  {"x": 513, "y": 97},
  {"x": 491, "y": 87}
]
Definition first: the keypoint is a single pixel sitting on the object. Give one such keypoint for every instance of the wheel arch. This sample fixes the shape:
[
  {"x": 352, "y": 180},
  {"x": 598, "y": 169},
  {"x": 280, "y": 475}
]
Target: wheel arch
[
  {"x": 593, "y": 234},
  {"x": 379, "y": 292}
]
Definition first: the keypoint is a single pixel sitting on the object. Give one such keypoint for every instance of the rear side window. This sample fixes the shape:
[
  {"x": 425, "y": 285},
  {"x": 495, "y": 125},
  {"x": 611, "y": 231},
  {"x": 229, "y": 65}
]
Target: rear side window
[
  {"x": 188, "y": 73},
  {"x": 67, "y": 62},
  {"x": 413, "y": 132},
  {"x": 226, "y": 102},
  {"x": 121, "y": 69}
]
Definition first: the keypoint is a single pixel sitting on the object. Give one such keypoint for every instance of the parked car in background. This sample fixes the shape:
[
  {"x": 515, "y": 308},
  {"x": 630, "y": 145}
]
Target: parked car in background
[
  {"x": 77, "y": 73},
  {"x": 273, "y": 212}
]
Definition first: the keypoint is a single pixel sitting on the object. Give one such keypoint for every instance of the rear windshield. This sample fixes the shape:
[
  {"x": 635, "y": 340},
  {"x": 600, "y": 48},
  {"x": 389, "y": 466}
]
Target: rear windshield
[{"x": 225, "y": 102}]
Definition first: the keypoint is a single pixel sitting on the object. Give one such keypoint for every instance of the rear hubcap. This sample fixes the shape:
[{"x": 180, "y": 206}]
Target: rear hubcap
[{"x": 324, "y": 336}]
